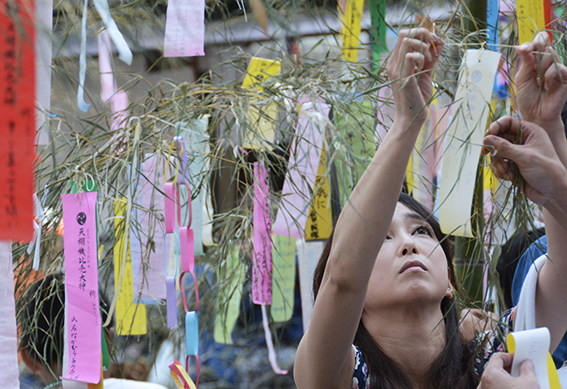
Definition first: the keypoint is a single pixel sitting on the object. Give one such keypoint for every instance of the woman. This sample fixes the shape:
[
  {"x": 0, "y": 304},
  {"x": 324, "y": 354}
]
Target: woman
[{"x": 385, "y": 278}]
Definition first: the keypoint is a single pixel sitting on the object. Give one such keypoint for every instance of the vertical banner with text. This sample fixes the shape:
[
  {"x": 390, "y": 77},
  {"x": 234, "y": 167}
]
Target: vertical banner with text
[
  {"x": 17, "y": 119},
  {"x": 82, "y": 308}
]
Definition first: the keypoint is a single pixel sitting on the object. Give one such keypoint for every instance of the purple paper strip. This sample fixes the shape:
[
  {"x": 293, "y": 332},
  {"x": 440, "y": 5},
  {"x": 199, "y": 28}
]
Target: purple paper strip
[{"x": 171, "y": 303}]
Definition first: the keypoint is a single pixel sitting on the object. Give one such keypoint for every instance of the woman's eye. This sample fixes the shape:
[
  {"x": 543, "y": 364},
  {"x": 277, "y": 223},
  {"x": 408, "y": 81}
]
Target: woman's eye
[{"x": 421, "y": 230}]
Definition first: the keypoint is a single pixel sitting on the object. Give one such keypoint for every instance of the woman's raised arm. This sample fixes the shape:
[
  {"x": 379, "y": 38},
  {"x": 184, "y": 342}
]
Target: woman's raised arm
[{"x": 325, "y": 358}]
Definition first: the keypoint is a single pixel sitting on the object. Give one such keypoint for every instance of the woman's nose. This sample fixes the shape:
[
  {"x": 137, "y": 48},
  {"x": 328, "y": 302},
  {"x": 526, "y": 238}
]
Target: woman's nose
[{"x": 408, "y": 245}]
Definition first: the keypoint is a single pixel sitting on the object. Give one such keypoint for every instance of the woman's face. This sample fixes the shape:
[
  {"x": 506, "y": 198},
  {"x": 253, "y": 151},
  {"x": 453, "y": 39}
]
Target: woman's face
[{"x": 411, "y": 267}]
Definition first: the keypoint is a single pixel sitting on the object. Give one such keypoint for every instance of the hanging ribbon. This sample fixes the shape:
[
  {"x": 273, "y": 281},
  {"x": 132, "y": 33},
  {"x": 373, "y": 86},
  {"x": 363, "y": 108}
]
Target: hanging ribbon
[
  {"x": 83, "y": 105},
  {"x": 35, "y": 244},
  {"x": 124, "y": 52}
]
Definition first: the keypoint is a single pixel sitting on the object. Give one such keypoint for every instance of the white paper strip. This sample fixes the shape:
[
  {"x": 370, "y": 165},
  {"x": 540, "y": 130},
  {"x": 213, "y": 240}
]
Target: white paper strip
[
  {"x": 83, "y": 105},
  {"x": 8, "y": 330},
  {"x": 464, "y": 140},
  {"x": 124, "y": 52},
  {"x": 305, "y": 153},
  {"x": 533, "y": 345},
  {"x": 308, "y": 254},
  {"x": 43, "y": 56}
]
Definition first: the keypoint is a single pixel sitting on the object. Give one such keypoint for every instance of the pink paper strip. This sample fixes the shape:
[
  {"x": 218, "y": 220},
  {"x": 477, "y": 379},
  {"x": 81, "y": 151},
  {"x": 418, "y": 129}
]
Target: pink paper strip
[
  {"x": 185, "y": 28},
  {"x": 171, "y": 303},
  {"x": 81, "y": 287},
  {"x": 151, "y": 276},
  {"x": 118, "y": 100},
  {"x": 262, "y": 261},
  {"x": 8, "y": 327},
  {"x": 303, "y": 163},
  {"x": 187, "y": 242}
]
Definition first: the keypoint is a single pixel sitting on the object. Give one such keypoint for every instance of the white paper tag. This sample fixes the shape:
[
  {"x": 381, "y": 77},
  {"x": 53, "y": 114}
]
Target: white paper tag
[{"x": 464, "y": 140}]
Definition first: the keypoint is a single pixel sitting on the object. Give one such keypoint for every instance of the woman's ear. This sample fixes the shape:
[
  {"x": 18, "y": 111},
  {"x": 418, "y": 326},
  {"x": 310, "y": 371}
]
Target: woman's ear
[{"x": 449, "y": 292}]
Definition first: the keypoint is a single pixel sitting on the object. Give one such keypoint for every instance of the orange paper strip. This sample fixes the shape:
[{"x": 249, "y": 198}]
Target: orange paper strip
[{"x": 17, "y": 119}]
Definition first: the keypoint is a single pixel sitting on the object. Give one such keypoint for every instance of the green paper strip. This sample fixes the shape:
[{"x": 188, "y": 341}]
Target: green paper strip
[
  {"x": 356, "y": 145},
  {"x": 233, "y": 274},
  {"x": 283, "y": 277},
  {"x": 378, "y": 27}
]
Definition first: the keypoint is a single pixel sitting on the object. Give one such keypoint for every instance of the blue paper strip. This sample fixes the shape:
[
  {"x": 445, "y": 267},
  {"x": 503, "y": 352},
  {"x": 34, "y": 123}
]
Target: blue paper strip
[
  {"x": 83, "y": 105},
  {"x": 492, "y": 12},
  {"x": 191, "y": 333}
]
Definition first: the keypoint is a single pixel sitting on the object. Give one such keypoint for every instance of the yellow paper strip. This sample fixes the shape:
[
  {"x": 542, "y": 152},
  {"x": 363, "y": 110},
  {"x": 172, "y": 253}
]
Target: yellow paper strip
[
  {"x": 231, "y": 292},
  {"x": 283, "y": 277},
  {"x": 262, "y": 115},
  {"x": 350, "y": 31},
  {"x": 130, "y": 318},
  {"x": 320, "y": 217},
  {"x": 531, "y": 18},
  {"x": 464, "y": 139}
]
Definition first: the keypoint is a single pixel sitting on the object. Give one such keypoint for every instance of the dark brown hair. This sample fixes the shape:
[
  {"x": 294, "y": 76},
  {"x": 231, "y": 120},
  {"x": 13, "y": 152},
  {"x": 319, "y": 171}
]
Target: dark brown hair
[{"x": 453, "y": 368}]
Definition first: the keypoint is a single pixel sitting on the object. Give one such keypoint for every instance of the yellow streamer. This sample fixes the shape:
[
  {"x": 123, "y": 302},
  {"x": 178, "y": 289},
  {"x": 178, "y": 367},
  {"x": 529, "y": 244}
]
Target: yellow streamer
[
  {"x": 531, "y": 18},
  {"x": 350, "y": 31},
  {"x": 320, "y": 217},
  {"x": 130, "y": 317}
]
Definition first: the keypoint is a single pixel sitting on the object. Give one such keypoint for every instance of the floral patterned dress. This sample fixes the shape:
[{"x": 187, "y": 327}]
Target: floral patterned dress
[{"x": 485, "y": 344}]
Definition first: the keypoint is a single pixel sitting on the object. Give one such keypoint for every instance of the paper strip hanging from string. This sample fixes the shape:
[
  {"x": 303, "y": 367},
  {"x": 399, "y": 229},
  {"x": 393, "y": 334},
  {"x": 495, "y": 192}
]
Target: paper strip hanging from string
[
  {"x": 262, "y": 259},
  {"x": 308, "y": 254},
  {"x": 124, "y": 52},
  {"x": 151, "y": 277},
  {"x": 232, "y": 275},
  {"x": 350, "y": 29},
  {"x": 533, "y": 16},
  {"x": 197, "y": 147},
  {"x": 8, "y": 329},
  {"x": 319, "y": 223},
  {"x": 35, "y": 244},
  {"x": 305, "y": 154},
  {"x": 17, "y": 122},
  {"x": 180, "y": 376},
  {"x": 269, "y": 342},
  {"x": 171, "y": 302},
  {"x": 356, "y": 126},
  {"x": 260, "y": 132},
  {"x": 492, "y": 16},
  {"x": 118, "y": 99},
  {"x": 43, "y": 57},
  {"x": 283, "y": 285},
  {"x": 81, "y": 287},
  {"x": 464, "y": 140},
  {"x": 184, "y": 28},
  {"x": 378, "y": 28},
  {"x": 422, "y": 180},
  {"x": 130, "y": 317},
  {"x": 192, "y": 341},
  {"x": 534, "y": 345},
  {"x": 83, "y": 105}
]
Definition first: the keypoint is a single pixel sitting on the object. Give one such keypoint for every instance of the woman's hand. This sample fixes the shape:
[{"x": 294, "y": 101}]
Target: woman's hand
[
  {"x": 541, "y": 83},
  {"x": 410, "y": 69},
  {"x": 524, "y": 154},
  {"x": 496, "y": 374}
]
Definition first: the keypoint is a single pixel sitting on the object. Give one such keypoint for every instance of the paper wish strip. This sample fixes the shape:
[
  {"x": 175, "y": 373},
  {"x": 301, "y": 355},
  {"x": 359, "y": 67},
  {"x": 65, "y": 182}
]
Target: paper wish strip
[
  {"x": 150, "y": 278},
  {"x": 533, "y": 16},
  {"x": 320, "y": 217},
  {"x": 185, "y": 28},
  {"x": 305, "y": 154},
  {"x": 232, "y": 274},
  {"x": 81, "y": 287},
  {"x": 130, "y": 317},
  {"x": 464, "y": 140},
  {"x": 17, "y": 120},
  {"x": 262, "y": 258},
  {"x": 308, "y": 254},
  {"x": 8, "y": 330},
  {"x": 350, "y": 30},
  {"x": 261, "y": 116},
  {"x": 283, "y": 278},
  {"x": 43, "y": 57}
]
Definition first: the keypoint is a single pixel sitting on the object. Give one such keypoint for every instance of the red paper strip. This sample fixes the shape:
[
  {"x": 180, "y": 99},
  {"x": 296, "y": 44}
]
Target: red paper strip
[{"x": 17, "y": 119}]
